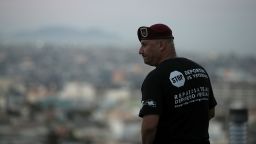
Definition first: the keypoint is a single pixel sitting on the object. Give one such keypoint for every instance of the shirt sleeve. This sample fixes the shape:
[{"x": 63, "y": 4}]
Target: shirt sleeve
[
  {"x": 212, "y": 100},
  {"x": 151, "y": 96}
]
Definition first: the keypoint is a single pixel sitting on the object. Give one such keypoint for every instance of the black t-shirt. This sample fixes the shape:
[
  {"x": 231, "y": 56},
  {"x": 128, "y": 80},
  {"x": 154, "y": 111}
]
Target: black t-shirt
[{"x": 180, "y": 92}]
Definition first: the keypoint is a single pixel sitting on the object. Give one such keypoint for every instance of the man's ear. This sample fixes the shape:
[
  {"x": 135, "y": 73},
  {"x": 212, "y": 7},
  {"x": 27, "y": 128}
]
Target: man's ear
[{"x": 161, "y": 45}]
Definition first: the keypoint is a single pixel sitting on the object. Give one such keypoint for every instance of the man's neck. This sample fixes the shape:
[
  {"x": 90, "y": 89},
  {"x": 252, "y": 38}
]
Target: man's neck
[{"x": 169, "y": 56}]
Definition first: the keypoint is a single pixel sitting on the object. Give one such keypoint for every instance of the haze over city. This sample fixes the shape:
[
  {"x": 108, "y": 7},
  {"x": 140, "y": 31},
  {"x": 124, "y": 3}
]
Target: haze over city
[
  {"x": 222, "y": 26},
  {"x": 70, "y": 71}
]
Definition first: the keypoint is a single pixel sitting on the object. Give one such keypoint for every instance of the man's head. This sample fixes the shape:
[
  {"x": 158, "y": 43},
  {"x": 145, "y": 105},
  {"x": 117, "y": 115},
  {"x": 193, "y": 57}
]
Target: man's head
[{"x": 156, "y": 43}]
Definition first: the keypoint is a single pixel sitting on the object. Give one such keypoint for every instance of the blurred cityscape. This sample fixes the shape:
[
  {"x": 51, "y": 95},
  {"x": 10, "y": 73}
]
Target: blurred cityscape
[{"x": 76, "y": 95}]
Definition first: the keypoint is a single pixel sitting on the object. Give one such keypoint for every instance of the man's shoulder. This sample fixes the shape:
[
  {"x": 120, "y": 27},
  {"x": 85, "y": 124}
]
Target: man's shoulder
[
  {"x": 190, "y": 62},
  {"x": 153, "y": 73},
  {"x": 154, "y": 76}
]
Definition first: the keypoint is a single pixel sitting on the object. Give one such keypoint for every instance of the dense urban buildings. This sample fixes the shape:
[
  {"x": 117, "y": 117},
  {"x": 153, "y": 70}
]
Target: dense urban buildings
[{"x": 57, "y": 94}]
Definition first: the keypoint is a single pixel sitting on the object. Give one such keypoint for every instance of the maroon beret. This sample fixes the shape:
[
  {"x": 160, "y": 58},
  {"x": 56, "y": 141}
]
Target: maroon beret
[{"x": 156, "y": 31}]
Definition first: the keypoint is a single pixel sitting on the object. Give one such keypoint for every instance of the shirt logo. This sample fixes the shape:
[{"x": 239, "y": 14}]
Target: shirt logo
[
  {"x": 149, "y": 103},
  {"x": 177, "y": 79}
]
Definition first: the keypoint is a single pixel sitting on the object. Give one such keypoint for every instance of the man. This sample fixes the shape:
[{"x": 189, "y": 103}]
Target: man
[{"x": 177, "y": 96}]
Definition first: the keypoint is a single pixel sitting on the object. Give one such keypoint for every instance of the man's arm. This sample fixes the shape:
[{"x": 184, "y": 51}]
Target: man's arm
[
  {"x": 211, "y": 113},
  {"x": 148, "y": 128}
]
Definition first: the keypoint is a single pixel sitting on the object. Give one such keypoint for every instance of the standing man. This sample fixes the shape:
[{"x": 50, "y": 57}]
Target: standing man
[{"x": 177, "y": 96}]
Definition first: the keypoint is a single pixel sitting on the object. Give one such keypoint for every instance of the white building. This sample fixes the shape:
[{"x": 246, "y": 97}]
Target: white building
[{"x": 82, "y": 94}]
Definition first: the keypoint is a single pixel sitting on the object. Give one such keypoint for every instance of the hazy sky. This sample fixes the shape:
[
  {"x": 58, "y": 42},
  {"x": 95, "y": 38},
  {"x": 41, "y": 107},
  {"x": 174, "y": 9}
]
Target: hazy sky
[{"x": 227, "y": 25}]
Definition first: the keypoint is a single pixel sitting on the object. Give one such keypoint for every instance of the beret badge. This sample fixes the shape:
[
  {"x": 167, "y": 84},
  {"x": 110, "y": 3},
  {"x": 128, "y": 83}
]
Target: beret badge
[{"x": 144, "y": 32}]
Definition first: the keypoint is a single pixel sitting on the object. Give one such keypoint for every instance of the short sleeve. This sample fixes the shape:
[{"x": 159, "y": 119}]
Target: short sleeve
[
  {"x": 151, "y": 96},
  {"x": 212, "y": 100}
]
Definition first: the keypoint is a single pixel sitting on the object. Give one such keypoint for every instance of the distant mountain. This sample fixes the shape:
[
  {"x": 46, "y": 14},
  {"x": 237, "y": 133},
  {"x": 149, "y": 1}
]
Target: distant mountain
[{"x": 63, "y": 35}]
